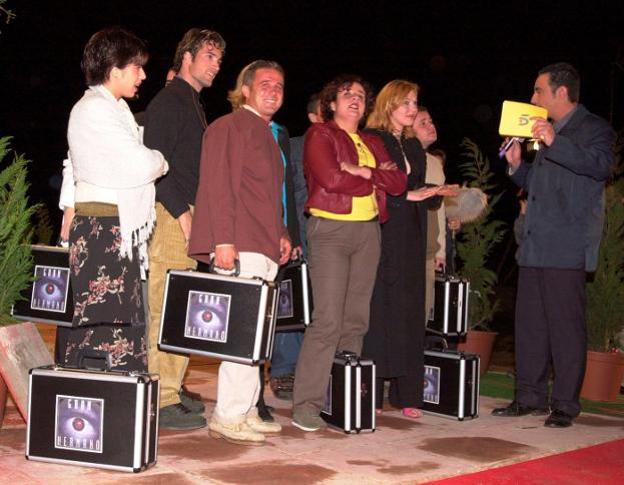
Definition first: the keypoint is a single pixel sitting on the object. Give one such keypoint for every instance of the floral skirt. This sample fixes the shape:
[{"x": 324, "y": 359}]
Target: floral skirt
[
  {"x": 106, "y": 286},
  {"x": 109, "y": 312},
  {"x": 126, "y": 346}
]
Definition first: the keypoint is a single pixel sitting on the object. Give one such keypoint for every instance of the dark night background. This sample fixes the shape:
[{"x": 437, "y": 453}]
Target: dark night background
[{"x": 467, "y": 57}]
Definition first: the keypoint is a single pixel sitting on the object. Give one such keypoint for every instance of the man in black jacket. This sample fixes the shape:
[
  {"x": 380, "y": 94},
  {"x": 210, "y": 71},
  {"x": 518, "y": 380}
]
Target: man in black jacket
[
  {"x": 291, "y": 220},
  {"x": 559, "y": 244},
  {"x": 287, "y": 344},
  {"x": 174, "y": 124}
]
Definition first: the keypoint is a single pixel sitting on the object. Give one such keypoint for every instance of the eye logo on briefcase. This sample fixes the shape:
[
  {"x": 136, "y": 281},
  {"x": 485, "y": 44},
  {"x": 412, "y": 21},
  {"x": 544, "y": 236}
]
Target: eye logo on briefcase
[
  {"x": 49, "y": 291},
  {"x": 285, "y": 303},
  {"x": 79, "y": 423},
  {"x": 431, "y": 388},
  {"x": 207, "y": 316}
]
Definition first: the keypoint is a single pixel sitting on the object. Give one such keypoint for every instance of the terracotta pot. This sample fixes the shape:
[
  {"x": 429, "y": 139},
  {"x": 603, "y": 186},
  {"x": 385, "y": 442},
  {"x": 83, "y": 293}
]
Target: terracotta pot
[
  {"x": 3, "y": 399},
  {"x": 603, "y": 376},
  {"x": 480, "y": 343}
]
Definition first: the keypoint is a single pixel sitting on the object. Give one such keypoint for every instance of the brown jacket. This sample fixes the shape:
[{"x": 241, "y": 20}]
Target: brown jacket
[
  {"x": 329, "y": 188},
  {"x": 239, "y": 193}
]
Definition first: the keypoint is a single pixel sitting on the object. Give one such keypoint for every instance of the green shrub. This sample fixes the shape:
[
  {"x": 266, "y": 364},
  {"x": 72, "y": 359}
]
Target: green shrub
[
  {"x": 477, "y": 240},
  {"x": 605, "y": 294},
  {"x": 15, "y": 231}
]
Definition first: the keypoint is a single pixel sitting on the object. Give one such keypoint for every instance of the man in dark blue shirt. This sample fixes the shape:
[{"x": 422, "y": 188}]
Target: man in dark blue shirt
[{"x": 559, "y": 244}]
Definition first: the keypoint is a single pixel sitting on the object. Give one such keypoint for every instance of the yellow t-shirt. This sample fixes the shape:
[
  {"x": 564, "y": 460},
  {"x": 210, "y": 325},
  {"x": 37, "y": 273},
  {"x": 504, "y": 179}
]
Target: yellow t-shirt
[{"x": 362, "y": 208}]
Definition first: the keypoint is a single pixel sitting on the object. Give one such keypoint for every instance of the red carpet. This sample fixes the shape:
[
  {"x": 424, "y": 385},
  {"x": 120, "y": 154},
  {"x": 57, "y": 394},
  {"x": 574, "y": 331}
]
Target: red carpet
[{"x": 594, "y": 465}]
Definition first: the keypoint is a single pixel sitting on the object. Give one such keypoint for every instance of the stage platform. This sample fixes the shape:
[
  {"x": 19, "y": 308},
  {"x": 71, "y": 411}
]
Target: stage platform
[{"x": 401, "y": 450}]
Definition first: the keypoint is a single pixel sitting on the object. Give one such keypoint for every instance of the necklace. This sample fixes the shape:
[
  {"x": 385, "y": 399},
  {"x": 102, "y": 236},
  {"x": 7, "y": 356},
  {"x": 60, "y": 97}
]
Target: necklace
[{"x": 408, "y": 167}]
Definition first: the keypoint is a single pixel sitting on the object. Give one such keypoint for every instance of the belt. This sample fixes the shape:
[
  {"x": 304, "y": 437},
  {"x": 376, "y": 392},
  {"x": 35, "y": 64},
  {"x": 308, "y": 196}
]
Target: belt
[{"x": 96, "y": 209}]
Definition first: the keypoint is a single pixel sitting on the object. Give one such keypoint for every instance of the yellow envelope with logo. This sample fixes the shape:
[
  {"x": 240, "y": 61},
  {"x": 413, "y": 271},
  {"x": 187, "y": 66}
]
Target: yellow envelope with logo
[{"x": 515, "y": 118}]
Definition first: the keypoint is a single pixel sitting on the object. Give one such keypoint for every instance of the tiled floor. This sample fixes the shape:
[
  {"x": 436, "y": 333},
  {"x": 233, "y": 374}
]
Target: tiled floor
[{"x": 399, "y": 451}]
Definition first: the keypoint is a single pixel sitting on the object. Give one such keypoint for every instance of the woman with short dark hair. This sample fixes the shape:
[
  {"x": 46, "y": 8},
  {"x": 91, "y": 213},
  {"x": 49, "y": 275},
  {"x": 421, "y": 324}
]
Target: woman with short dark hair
[
  {"x": 114, "y": 176},
  {"x": 348, "y": 174}
]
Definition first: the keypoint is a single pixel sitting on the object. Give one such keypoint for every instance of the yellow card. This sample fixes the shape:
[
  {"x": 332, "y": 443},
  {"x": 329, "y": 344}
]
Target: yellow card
[{"x": 515, "y": 118}]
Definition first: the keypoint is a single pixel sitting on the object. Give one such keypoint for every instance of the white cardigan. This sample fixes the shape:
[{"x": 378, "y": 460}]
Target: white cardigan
[{"x": 110, "y": 164}]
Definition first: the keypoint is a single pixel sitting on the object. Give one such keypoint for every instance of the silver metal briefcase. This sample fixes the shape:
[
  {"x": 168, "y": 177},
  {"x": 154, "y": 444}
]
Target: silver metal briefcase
[
  {"x": 225, "y": 317},
  {"x": 102, "y": 419},
  {"x": 294, "y": 307},
  {"x": 49, "y": 297},
  {"x": 451, "y": 385},
  {"x": 350, "y": 399},
  {"x": 450, "y": 314}
]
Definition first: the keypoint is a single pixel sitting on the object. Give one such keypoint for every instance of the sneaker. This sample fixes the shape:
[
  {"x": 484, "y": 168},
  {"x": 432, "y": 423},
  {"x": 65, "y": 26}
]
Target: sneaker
[
  {"x": 308, "y": 422},
  {"x": 239, "y": 433},
  {"x": 257, "y": 424},
  {"x": 178, "y": 416},
  {"x": 191, "y": 402},
  {"x": 282, "y": 386}
]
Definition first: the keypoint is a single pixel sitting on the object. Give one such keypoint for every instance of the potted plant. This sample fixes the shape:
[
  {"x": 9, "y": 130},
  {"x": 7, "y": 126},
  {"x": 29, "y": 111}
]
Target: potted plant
[
  {"x": 605, "y": 300},
  {"x": 475, "y": 244},
  {"x": 15, "y": 252}
]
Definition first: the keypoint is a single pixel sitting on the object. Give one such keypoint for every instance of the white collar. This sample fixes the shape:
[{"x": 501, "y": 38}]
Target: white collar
[
  {"x": 103, "y": 90},
  {"x": 253, "y": 110}
]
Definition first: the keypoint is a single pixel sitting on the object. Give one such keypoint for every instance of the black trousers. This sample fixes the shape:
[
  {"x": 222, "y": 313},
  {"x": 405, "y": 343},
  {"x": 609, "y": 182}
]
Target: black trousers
[{"x": 550, "y": 328}]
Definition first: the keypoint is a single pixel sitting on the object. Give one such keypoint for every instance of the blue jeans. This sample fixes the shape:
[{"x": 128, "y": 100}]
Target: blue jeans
[{"x": 285, "y": 353}]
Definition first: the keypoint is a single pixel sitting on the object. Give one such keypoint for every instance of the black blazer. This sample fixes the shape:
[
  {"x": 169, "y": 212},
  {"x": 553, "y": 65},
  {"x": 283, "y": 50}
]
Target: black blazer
[
  {"x": 283, "y": 140},
  {"x": 415, "y": 154},
  {"x": 565, "y": 205}
]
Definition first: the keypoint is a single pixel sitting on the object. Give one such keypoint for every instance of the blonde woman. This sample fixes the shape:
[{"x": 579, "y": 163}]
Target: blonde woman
[{"x": 396, "y": 333}]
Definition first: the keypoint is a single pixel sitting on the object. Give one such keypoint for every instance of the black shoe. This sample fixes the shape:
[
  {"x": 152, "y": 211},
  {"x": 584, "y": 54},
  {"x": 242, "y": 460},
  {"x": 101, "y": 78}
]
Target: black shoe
[
  {"x": 192, "y": 401},
  {"x": 515, "y": 409},
  {"x": 178, "y": 416},
  {"x": 282, "y": 386},
  {"x": 264, "y": 412},
  {"x": 558, "y": 419}
]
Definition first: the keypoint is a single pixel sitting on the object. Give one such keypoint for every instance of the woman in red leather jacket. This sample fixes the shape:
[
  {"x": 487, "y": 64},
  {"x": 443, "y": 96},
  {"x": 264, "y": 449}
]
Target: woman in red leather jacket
[{"x": 348, "y": 174}]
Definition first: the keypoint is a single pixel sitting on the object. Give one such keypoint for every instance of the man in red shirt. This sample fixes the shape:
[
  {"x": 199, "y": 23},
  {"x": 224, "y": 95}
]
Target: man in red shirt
[{"x": 238, "y": 216}]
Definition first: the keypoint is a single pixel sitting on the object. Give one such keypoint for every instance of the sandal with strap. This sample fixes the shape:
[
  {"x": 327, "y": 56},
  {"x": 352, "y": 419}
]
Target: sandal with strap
[{"x": 413, "y": 413}]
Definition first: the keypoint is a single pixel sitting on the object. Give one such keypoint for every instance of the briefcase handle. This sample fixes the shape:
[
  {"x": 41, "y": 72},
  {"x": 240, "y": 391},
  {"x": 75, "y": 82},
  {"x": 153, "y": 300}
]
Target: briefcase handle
[
  {"x": 212, "y": 269},
  {"x": 431, "y": 342},
  {"x": 62, "y": 244},
  {"x": 289, "y": 264},
  {"x": 91, "y": 359},
  {"x": 348, "y": 356},
  {"x": 298, "y": 259}
]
